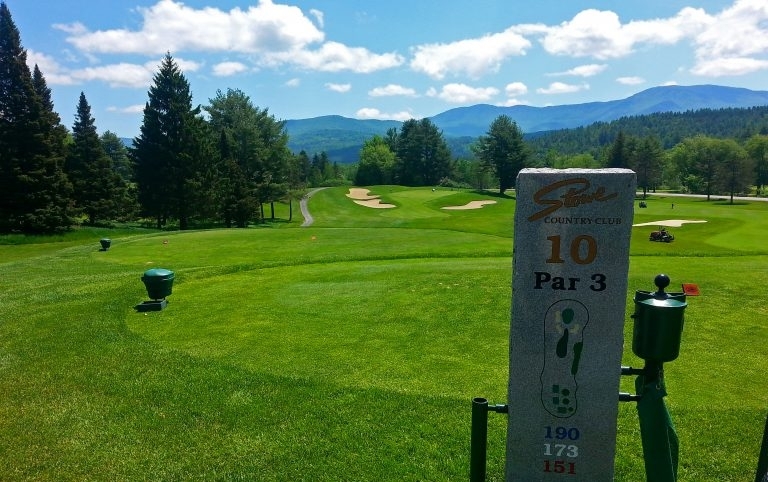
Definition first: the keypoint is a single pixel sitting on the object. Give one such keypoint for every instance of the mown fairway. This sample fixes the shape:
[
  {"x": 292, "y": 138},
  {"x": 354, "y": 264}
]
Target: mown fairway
[{"x": 349, "y": 350}]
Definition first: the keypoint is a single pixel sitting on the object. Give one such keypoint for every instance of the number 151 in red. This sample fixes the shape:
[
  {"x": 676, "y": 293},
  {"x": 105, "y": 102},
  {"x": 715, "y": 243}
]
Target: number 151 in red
[{"x": 560, "y": 467}]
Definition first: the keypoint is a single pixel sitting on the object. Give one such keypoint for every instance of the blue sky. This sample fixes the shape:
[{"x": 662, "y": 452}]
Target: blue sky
[{"x": 395, "y": 59}]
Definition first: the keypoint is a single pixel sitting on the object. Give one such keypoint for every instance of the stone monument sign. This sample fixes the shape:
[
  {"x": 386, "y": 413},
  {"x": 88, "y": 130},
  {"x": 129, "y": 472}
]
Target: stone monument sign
[{"x": 569, "y": 294}]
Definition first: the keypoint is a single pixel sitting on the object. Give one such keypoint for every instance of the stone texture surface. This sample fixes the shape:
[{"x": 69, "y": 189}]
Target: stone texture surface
[{"x": 569, "y": 294}]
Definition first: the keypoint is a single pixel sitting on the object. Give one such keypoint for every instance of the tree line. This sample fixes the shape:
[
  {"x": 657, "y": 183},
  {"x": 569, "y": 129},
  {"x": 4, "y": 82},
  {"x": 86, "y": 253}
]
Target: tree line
[{"x": 223, "y": 162}]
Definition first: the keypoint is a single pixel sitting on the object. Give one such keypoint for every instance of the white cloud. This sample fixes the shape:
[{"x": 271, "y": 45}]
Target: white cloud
[
  {"x": 562, "y": 88},
  {"x": 630, "y": 80},
  {"x": 294, "y": 82},
  {"x": 53, "y": 72},
  {"x": 391, "y": 90},
  {"x": 335, "y": 57},
  {"x": 589, "y": 70},
  {"x": 464, "y": 94},
  {"x": 226, "y": 69},
  {"x": 729, "y": 66},
  {"x": 734, "y": 42},
  {"x": 131, "y": 109},
  {"x": 341, "y": 88},
  {"x": 515, "y": 89},
  {"x": 121, "y": 75},
  {"x": 473, "y": 57},
  {"x": 600, "y": 34},
  {"x": 117, "y": 75},
  {"x": 372, "y": 113},
  {"x": 173, "y": 26},
  {"x": 511, "y": 102},
  {"x": 319, "y": 16}
]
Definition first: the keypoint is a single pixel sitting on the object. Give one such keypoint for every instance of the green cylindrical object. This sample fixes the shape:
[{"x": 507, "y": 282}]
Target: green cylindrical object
[
  {"x": 658, "y": 323},
  {"x": 105, "y": 243},
  {"x": 159, "y": 282},
  {"x": 658, "y": 329},
  {"x": 479, "y": 440}
]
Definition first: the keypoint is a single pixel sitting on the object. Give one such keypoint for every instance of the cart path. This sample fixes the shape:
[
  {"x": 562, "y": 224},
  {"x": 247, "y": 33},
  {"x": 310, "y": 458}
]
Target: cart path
[{"x": 308, "y": 219}]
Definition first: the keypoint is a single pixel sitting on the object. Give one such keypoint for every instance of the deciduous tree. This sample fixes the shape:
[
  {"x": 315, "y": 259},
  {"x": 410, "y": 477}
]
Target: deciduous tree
[
  {"x": 757, "y": 150},
  {"x": 376, "y": 163}
]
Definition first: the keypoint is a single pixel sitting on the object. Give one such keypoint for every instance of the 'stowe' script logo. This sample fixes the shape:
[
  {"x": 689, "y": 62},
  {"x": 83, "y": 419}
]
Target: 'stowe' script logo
[{"x": 555, "y": 196}]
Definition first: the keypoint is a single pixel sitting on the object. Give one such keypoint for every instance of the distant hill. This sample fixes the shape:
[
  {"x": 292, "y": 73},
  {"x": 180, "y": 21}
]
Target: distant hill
[{"x": 341, "y": 138}]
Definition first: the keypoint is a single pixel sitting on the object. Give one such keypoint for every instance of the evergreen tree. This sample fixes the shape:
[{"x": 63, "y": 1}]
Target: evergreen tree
[
  {"x": 170, "y": 152},
  {"x": 618, "y": 155},
  {"x": 646, "y": 161},
  {"x": 34, "y": 192},
  {"x": 503, "y": 150},
  {"x": 99, "y": 190},
  {"x": 422, "y": 155},
  {"x": 254, "y": 147},
  {"x": 117, "y": 151}
]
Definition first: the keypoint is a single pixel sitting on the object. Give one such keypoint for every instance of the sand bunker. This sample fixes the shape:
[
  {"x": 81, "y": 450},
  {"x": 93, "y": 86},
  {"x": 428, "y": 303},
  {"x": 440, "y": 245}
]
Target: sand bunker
[
  {"x": 374, "y": 203},
  {"x": 361, "y": 194},
  {"x": 470, "y": 205},
  {"x": 364, "y": 197},
  {"x": 672, "y": 223}
]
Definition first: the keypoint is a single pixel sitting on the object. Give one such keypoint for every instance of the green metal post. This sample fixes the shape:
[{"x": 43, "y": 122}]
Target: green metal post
[
  {"x": 660, "y": 442},
  {"x": 479, "y": 441},
  {"x": 762, "y": 462}
]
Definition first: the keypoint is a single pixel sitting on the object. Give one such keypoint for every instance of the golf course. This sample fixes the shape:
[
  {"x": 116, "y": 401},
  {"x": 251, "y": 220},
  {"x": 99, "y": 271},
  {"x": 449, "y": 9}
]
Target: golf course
[{"x": 349, "y": 349}]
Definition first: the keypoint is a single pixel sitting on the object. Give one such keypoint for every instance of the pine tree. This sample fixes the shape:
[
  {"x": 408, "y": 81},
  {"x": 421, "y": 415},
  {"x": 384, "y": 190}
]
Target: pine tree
[
  {"x": 617, "y": 154},
  {"x": 503, "y": 150},
  {"x": 34, "y": 192},
  {"x": 98, "y": 188},
  {"x": 170, "y": 152}
]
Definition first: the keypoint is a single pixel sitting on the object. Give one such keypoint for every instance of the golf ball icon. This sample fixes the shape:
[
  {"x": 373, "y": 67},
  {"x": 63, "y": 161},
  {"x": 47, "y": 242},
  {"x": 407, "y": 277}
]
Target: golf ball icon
[{"x": 564, "y": 325}]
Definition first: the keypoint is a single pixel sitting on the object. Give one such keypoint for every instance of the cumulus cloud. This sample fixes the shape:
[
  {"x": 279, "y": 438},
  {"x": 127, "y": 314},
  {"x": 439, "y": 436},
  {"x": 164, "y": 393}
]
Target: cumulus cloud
[
  {"x": 175, "y": 27},
  {"x": 122, "y": 74},
  {"x": 630, "y": 80},
  {"x": 54, "y": 73},
  {"x": 601, "y": 35},
  {"x": 373, "y": 113},
  {"x": 589, "y": 70},
  {"x": 729, "y": 66},
  {"x": 463, "y": 94},
  {"x": 391, "y": 90},
  {"x": 511, "y": 102},
  {"x": 473, "y": 57},
  {"x": 274, "y": 34},
  {"x": 734, "y": 42},
  {"x": 516, "y": 88},
  {"x": 336, "y": 57},
  {"x": 562, "y": 88},
  {"x": 225, "y": 69},
  {"x": 131, "y": 109},
  {"x": 341, "y": 88}
]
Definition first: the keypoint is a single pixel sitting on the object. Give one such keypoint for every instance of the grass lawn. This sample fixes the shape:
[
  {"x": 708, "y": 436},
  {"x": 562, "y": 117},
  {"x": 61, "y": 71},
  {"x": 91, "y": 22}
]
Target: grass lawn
[{"x": 349, "y": 350}]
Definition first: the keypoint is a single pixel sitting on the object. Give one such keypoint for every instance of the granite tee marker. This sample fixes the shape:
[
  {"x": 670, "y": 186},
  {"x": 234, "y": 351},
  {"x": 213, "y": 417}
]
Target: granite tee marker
[{"x": 569, "y": 291}]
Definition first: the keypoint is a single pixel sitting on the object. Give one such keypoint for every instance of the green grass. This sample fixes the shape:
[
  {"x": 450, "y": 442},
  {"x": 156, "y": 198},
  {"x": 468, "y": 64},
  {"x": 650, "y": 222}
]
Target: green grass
[{"x": 349, "y": 350}]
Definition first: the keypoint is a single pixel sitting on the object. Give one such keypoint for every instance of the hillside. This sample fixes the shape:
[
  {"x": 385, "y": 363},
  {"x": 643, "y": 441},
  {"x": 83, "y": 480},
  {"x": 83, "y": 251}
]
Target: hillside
[{"x": 341, "y": 138}]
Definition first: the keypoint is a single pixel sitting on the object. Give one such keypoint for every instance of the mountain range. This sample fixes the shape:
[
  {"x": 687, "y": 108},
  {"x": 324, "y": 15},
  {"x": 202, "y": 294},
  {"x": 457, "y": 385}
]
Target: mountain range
[{"x": 341, "y": 137}]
